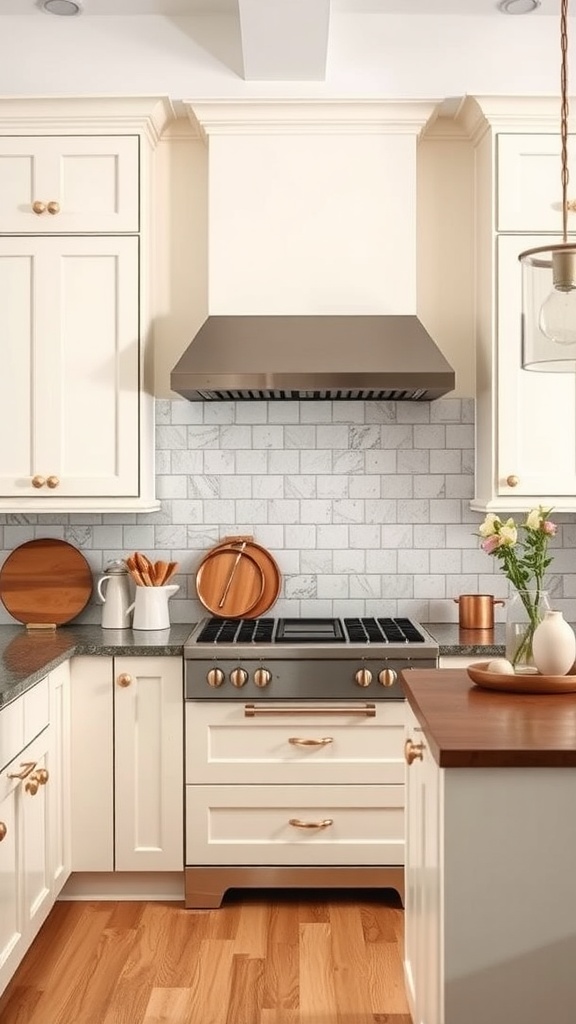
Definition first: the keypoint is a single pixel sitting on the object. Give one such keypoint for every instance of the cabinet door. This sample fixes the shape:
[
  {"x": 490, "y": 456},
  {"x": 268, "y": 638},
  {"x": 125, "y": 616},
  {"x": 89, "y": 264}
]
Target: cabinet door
[
  {"x": 59, "y": 184},
  {"x": 529, "y": 194},
  {"x": 59, "y": 767},
  {"x": 423, "y": 958},
  {"x": 70, "y": 345},
  {"x": 536, "y": 430},
  {"x": 91, "y": 764},
  {"x": 10, "y": 915},
  {"x": 149, "y": 764},
  {"x": 35, "y": 860}
]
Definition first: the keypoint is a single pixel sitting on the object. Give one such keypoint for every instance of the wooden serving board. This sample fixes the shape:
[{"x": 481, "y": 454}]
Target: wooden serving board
[
  {"x": 269, "y": 569},
  {"x": 229, "y": 582},
  {"x": 45, "y": 581}
]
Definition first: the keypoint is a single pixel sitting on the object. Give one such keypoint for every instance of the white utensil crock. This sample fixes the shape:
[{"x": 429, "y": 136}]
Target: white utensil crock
[{"x": 151, "y": 607}]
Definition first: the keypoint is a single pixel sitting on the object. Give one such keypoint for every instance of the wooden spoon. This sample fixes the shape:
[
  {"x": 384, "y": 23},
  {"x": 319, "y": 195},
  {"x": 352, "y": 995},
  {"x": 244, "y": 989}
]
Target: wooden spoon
[{"x": 143, "y": 565}]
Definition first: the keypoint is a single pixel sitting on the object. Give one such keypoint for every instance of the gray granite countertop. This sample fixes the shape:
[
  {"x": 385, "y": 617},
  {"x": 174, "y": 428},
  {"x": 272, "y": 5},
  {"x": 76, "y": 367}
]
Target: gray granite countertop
[{"x": 27, "y": 657}]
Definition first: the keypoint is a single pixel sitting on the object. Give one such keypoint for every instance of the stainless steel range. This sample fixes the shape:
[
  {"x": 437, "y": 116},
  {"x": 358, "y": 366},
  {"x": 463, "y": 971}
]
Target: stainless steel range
[
  {"x": 304, "y": 659},
  {"x": 295, "y": 752}
]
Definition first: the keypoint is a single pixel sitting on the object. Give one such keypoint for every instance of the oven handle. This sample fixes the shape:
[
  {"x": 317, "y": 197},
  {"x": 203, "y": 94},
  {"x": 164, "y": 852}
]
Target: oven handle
[{"x": 251, "y": 710}]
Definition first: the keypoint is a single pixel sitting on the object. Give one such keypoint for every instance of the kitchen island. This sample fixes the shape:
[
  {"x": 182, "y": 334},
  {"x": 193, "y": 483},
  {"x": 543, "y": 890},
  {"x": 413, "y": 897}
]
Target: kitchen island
[{"x": 491, "y": 853}]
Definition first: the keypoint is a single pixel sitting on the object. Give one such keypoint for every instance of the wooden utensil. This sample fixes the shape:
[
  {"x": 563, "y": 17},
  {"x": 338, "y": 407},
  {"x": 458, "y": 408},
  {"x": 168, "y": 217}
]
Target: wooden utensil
[
  {"x": 45, "y": 581},
  {"x": 143, "y": 566},
  {"x": 231, "y": 576}
]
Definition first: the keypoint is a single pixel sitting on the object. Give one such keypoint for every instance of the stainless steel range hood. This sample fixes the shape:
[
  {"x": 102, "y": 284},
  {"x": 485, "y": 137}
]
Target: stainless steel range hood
[{"x": 382, "y": 358}]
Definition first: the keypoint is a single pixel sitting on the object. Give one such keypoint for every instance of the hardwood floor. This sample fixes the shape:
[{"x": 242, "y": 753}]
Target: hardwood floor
[{"x": 272, "y": 958}]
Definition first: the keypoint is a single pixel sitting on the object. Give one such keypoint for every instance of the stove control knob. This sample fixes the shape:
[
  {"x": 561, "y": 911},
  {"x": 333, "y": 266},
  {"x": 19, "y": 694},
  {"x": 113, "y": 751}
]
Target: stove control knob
[
  {"x": 215, "y": 677},
  {"x": 238, "y": 677},
  {"x": 363, "y": 677},
  {"x": 387, "y": 677},
  {"x": 262, "y": 677}
]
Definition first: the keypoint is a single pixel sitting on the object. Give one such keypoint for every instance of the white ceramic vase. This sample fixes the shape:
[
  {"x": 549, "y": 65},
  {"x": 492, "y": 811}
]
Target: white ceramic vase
[{"x": 554, "y": 645}]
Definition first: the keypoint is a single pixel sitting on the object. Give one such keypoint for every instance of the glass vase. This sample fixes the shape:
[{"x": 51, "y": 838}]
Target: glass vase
[{"x": 526, "y": 609}]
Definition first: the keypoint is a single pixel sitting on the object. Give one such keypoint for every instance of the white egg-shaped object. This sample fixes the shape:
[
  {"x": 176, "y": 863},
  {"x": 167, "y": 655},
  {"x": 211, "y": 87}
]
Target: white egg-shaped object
[{"x": 501, "y": 665}]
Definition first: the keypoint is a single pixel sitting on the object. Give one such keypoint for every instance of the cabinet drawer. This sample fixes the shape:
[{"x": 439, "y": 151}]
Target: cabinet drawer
[
  {"x": 529, "y": 188},
  {"x": 23, "y": 719},
  {"x": 251, "y": 825},
  {"x": 225, "y": 746}
]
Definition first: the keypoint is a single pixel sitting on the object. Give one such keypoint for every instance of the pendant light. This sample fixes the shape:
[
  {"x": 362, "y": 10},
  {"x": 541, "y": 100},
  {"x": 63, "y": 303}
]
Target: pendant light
[{"x": 549, "y": 271}]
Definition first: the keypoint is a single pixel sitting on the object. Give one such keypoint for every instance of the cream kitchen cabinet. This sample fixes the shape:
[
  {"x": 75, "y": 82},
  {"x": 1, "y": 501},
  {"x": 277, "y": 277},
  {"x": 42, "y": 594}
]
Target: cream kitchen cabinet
[
  {"x": 127, "y": 764},
  {"x": 520, "y": 414},
  {"x": 255, "y": 787},
  {"x": 71, "y": 409},
  {"x": 68, "y": 183},
  {"x": 76, "y": 202},
  {"x": 31, "y": 861}
]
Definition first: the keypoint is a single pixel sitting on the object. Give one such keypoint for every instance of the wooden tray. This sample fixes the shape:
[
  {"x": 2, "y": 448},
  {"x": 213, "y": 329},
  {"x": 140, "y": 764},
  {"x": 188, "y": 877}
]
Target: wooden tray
[
  {"x": 45, "y": 581},
  {"x": 270, "y": 570},
  {"x": 520, "y": 683},
  {"x": 229, "y": 582}
]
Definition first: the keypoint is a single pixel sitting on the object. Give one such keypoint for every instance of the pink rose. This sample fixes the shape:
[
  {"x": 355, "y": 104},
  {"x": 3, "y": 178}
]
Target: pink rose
[
  {"x": 549, "y": 528},
  {"x": 491, "y": 543}
]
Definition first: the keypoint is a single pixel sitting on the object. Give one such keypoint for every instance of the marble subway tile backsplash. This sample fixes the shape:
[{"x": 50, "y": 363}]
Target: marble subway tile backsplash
[{"x": 364, "y": 505}]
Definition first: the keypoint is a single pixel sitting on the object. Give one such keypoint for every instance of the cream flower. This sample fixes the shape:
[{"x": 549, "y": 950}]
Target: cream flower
[
  {"x": 488, "y": 527},
  {"x": 508, "y": 533},
  {"x": 533, "y": 519}
]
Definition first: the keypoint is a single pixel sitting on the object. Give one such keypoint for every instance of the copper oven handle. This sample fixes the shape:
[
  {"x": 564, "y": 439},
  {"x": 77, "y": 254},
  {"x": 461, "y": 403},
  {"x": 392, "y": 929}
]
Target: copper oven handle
[
  {"x": 297, "y": 823},
  {"x": 299, "y": 741},
  {"x": 251, "y": 710}
]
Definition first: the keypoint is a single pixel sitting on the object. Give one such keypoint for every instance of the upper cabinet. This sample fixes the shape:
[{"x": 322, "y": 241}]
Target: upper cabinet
[
  {"x": 520, "y": 414},
  {"x": 60, "y": 184},
  {"x": 76, "y": 203}
]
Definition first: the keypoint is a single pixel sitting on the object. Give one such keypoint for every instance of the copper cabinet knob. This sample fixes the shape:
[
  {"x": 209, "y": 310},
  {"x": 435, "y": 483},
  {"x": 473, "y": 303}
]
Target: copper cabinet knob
[
  {"x": 512, "y": 480},
  {"x": 53, "y": 482},
  {"x": 215, "y": 677},
  {"x": 363, "y": 677},
  {"x": 38, "y": 481},
  {"x": 238, "y": 677},
  {"x": 124, "y": 679},
  {"x": 413, "y": 751},
  {"x": 262, "y": 677},
  {"x": 39, "y": 207},
  {"x": 387, "y": 677},
  {"x": 42, "y": 774},
  {"x": 53, "y": 207},
  {"x": 3, "y": 830}
]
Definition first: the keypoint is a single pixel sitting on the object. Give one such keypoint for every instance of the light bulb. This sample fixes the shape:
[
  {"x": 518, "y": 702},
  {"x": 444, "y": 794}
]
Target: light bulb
[{"x": 557, "y": 318}]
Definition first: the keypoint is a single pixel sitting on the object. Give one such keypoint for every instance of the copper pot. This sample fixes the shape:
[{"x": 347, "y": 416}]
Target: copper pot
[{"x": 476, "y": 611}]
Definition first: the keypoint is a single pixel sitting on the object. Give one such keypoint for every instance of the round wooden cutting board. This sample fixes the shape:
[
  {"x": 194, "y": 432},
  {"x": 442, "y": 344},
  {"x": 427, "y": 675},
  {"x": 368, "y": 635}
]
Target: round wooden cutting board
[
  {"x": 229, "y": 582},
  {"x": 45, "y": 581}
]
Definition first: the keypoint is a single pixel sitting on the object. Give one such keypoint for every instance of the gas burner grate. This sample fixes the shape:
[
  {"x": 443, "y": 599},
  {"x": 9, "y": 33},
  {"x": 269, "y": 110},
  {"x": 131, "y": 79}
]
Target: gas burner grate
[
  {"x": 242, "y": 631},
  {"x": 377, "y": 631}
]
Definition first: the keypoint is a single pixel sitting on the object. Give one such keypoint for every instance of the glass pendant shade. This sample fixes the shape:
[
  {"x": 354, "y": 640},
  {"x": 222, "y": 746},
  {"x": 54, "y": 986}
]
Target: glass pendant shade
[{"x": 549, "y": 309}]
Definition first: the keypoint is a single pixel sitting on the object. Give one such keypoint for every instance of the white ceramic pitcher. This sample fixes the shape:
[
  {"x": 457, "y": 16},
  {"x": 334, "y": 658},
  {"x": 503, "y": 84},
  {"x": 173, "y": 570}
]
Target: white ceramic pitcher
[
  {"x": 114, "y": 591},
  {"x": 151, "y": 607}
]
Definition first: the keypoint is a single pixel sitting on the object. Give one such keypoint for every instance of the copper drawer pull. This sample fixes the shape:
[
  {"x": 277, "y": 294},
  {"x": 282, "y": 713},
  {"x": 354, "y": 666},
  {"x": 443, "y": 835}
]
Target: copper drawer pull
[
  {"x": 311, "y": 824},
  {"x": 299, "y": 741},
  {"x": 251, "y": 710}
]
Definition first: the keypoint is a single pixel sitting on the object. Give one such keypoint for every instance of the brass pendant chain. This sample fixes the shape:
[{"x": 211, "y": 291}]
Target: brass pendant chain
[{"x": 564, "y": 115}]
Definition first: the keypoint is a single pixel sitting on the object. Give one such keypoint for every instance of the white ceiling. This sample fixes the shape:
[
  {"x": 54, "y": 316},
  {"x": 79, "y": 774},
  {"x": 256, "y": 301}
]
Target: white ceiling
[{"x": 184, "y": 7}]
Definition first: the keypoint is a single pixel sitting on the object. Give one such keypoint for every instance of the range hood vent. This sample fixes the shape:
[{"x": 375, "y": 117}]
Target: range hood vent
[{"x": 288, "y": 358}]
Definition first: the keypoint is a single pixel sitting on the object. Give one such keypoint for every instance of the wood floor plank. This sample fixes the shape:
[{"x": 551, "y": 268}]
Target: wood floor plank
[
  {"x": 252, "y": 932},
  {"x": 317, "y": 994},
  {"x": 167, "y": 1006},
  {"x": 246, "y": 987},
  {"x": 280, "y": 1017},
  {"x": 281, "y": 977},
  {"x": 386, "y": 986},
  {"x": 211, "y": 985},
  {"x": 351, "y": 976}
]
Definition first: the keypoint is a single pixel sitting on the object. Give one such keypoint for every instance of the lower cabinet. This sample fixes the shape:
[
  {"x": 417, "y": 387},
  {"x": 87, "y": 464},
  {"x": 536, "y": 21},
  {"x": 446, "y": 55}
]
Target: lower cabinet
[
  {"x": 294, "y": 789},
  {"x": 490, "y": 898},
  {"x": 127, "y": 764},
  {"x": 34, "y": 852}
]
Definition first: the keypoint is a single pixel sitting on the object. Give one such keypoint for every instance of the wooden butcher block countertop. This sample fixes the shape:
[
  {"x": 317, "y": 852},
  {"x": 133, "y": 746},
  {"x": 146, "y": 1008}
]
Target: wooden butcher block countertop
[{"x": 467, "y": 727}]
